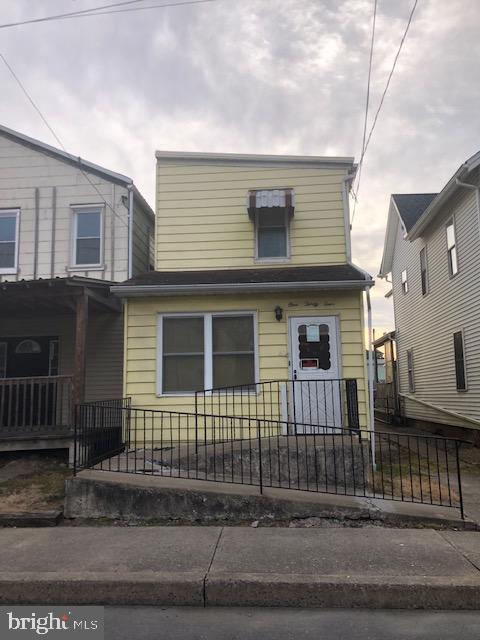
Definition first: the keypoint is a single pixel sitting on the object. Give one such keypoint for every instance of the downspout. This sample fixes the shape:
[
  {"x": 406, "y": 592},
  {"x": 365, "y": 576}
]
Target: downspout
[
  {"x": 130, "y": 230},
  {"x": 346, "y": 213},
  {"x": 467, "y": 185},
  {"x": 370, "y": 377}
]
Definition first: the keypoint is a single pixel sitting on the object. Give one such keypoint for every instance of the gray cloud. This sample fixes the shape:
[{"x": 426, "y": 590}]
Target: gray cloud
[{"x": 272, "y": 76}]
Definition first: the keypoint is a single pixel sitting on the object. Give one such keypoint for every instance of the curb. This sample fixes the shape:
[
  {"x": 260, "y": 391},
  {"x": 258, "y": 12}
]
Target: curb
[
  {"x": 241, "y": 590},
  {"x": 31, "y": 519}
]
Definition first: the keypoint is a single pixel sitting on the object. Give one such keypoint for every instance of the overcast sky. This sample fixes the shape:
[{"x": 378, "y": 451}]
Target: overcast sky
[{"x": 255, "y": 76}]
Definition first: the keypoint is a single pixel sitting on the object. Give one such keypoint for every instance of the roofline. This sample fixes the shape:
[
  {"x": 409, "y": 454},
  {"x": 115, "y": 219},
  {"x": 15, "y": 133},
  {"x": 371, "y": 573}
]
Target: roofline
[
  {"x": 447, "y": 191},
  {"x": 133, "y": 291},
  {"x": 246, "y": 158},
  {"x": 387, "y": 256},
  {"x": 76, "y": 161}
]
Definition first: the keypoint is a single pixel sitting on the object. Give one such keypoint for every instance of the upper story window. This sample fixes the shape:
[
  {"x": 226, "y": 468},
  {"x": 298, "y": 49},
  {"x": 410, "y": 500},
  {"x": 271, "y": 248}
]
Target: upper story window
[
  {"x": 87, "y": 236},
  {"x": 452, "y": 249},
  {"x": 423, "y": 270},
  {"x": 271, "y": 211},
  {"x": 404, "y": 281},
  {"x": 410, "y": 372},
  {"x": 460, "y": 373},
  {"x": 9, "y": 222}
]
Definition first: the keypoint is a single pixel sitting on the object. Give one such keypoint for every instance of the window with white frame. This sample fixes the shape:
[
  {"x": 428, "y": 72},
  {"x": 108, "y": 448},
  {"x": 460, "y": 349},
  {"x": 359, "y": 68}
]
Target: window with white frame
[
  {"x": 423, "y": 271},
  {"x": 460, "y": 373},
  {"x": 8, "y": 240},
  {"x": 411, "y": 376},
  {"x": 272, "y": 233},
  {"x": 404, "y": 281},
  {"x": 87, "y": 236},
  {"x": 452, "y": 249},
  {"x": 205, "y": 351}
]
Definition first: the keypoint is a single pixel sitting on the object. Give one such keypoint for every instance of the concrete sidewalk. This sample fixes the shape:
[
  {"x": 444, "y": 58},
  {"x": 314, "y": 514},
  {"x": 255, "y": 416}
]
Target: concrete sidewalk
[{"x": 241, "y": 566}]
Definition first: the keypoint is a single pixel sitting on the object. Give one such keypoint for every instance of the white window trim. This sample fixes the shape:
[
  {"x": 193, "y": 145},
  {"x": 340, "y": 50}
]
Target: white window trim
[
  {"x": 404, "y": 283},
  {"x": 9, "y": 213},
  {"x": 207, "y": 345},
  {"x": 451, "y": 221},
  {"x": 427, "y": 284},
  {"x": 79, "y": 208},
  {"x": 411, "y": 388},
  {"x": 278, "y": 259}
]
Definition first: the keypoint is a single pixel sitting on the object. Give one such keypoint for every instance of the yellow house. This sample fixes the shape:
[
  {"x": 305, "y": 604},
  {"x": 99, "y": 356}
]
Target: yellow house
[{"x": 255, "y": 308}]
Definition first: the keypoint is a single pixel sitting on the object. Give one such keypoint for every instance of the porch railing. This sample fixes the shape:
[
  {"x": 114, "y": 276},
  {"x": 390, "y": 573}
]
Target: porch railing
[
  {"x": 41, "y": 404},
  {"x": 261, "y": 452}
]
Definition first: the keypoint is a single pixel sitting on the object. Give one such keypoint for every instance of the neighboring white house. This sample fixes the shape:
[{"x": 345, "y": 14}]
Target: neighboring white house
[
  {"x": 68, "y": 230},
  {"x": 432, "y": 251}
]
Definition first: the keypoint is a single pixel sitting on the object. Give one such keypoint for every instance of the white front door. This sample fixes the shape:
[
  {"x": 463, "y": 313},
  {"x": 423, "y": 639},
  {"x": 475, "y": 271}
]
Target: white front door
[{"x": 316, "y": 387}]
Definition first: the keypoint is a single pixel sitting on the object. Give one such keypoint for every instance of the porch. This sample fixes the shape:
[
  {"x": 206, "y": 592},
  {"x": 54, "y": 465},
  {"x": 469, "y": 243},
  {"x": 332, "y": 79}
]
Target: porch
[{"x": 60, "y": 344}]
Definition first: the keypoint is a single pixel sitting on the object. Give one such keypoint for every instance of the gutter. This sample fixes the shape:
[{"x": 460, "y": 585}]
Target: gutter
[
  {"x": 134, "y": 291},
  {"x": 130, "y": 229},
  {"x": 467, "y": 185}
]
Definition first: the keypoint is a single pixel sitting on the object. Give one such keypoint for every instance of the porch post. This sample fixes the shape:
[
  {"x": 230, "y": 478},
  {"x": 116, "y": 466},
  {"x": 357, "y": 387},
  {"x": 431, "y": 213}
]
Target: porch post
[{"x": 81, "y": 321}]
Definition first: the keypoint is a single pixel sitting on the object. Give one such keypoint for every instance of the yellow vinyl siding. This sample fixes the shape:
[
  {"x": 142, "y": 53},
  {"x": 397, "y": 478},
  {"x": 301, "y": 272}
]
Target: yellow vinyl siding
[
  {"x": 141, "y": 316},
  {"x": 202, "y": 220}
]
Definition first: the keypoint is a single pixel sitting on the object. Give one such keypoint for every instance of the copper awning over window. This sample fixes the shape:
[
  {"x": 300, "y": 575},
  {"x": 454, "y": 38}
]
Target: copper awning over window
[{"x": 281, "y": 199}]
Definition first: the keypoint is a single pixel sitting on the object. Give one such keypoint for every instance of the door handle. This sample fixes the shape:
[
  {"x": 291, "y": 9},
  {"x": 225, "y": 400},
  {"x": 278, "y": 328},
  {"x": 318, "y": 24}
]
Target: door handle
[{"x": 294, "y": 374}]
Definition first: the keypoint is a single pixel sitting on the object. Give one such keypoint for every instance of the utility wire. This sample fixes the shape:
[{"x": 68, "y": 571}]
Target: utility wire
[
  {"x": 367, "y": 104},
  {"x": 50, "y": 128},
  {"x": 390, "y": 76},
  {"x": 102, "y": 11}
]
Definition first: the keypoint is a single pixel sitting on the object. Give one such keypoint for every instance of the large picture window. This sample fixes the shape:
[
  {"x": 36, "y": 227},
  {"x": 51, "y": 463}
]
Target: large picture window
[
  {"x": 88, "y": 237},
  {"x": 205, "y": 351},
  {"x": 8, "y": 240}
]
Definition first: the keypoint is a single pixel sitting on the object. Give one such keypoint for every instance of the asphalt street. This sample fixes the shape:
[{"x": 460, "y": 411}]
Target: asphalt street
[{"x": 224, "y": 623}]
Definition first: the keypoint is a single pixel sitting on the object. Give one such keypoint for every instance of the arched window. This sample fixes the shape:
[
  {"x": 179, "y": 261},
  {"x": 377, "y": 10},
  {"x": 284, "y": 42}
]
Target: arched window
[{"x": 28, "y": 346}]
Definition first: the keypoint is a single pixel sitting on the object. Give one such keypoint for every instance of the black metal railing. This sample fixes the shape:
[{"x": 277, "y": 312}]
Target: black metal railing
[
  {"x": 40, "y": 404},
  {"x": 320, "y": 403},
  {"x": 101, "y": 430},
  {"x": 264, "y": 453}
]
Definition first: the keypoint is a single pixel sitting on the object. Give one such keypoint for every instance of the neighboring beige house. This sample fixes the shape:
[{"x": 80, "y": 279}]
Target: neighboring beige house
[
  {"x": 68, "y": 230},
  {"x": 432, "y": 252}
]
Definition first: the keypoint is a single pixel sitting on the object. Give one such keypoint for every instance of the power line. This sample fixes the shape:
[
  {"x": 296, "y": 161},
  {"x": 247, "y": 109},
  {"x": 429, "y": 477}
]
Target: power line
[
  {"x": 392, "y": 71},
  {"x": 102, "y": 11},
  {"x": 50, "y": 128},
  {"x": 367, "y": 104}
]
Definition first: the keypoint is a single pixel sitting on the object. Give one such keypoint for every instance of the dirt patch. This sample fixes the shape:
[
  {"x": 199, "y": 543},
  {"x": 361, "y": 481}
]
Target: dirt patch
[{"x": 32, "y": 483}]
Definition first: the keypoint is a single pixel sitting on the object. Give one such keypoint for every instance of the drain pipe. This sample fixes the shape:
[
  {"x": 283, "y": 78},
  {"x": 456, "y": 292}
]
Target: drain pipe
[
  {"x": 370, "y": 377},
  {"x": 130, "y": 230},
  {"x": 467, "y": 185}
]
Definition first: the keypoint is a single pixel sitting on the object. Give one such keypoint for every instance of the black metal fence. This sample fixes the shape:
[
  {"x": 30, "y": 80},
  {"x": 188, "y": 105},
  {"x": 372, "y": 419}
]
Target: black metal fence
[
  {"x": 264, "y": 453},
  {"x": 101, "y": 430},
  {"x": 324, "y": 403}
]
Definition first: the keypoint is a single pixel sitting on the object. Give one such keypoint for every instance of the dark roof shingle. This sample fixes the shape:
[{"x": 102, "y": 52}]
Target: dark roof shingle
[
  {"x": 328, "y": 273},
  {"x": 411, "y": 206}
]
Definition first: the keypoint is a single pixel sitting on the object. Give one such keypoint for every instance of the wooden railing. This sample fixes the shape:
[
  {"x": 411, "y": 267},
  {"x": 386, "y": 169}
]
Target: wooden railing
[{"x": 41, "y": 404}]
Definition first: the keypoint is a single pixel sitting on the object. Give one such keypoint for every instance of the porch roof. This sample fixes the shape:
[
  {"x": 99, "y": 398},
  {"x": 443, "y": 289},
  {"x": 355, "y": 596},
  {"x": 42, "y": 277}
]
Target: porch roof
[
  {"x": 54, "y": 294},
  {"x": 344, "y": 276}
]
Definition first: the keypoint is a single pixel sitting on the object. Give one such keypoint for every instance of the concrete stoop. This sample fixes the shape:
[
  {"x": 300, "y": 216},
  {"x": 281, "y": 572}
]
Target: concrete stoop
[{"x": 145, "y": 499}]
